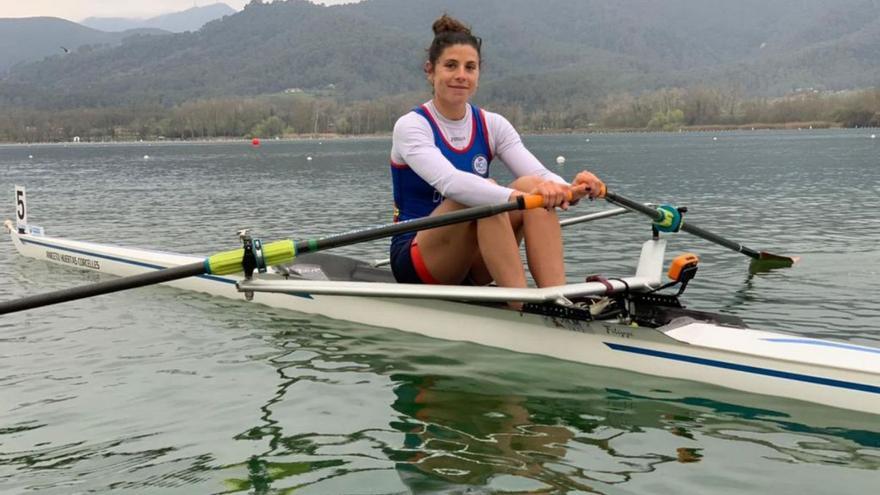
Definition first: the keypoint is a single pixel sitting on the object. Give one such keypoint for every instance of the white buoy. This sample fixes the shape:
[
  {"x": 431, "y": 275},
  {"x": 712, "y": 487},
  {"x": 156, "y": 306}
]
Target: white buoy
[
  {"x": 30, "y": 157},
  {"x": 715, "y": 138},
  {"x": 309, "y": 158},
  {"x": 587, "y": 140},
  {"x": 873, "y": 136},
  {"x": 560, "y": 159},
  {"x": 146, "y": 157}
]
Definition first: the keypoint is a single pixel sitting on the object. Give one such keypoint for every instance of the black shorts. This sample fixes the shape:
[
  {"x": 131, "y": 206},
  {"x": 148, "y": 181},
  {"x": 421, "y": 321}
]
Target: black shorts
[{"x": 407, "y": 264}]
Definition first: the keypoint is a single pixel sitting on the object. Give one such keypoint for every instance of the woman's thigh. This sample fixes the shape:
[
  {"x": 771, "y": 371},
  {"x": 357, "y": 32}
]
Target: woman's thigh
[{"x": 449, "y": 251}]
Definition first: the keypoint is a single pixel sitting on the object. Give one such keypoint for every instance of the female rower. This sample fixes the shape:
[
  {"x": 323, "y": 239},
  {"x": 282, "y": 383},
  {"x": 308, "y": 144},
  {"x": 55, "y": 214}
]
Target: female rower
[{"x": 440, "y": 159}]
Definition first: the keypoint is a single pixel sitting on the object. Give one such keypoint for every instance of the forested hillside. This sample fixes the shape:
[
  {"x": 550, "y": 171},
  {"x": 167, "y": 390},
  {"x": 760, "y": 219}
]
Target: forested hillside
[
  {"x": 554, "y": 63},
  {"x": 373, "y": 48}
]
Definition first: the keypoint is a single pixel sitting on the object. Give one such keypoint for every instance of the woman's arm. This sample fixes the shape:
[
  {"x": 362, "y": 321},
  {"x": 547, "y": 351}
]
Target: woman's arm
[
  {"x": 413, "y": 144},
  {"x": 510, "y": 149}
]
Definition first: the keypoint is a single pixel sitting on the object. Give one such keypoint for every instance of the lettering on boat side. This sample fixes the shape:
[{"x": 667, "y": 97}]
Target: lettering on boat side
[
  {"x": 623, "y": 333},
  {"x": 568, "y": 324},
  {"x": 73, "y": 260}
]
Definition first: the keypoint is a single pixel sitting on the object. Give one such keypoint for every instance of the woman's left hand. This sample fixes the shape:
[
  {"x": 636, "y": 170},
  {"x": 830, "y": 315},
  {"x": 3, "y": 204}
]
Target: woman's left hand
[{"x": 585, "y": 184}]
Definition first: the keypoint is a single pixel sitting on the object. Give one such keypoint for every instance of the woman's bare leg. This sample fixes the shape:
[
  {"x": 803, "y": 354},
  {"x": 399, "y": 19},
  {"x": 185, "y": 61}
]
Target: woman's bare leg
[
  {"x": 488, "y": 246},
  {"x": 488, "y": 249},
  {"x": 543, "y": 237}
]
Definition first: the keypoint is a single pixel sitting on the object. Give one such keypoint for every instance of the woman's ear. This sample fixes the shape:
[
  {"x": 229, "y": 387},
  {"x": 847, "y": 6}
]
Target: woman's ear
[{"x": 429, "y": 69}]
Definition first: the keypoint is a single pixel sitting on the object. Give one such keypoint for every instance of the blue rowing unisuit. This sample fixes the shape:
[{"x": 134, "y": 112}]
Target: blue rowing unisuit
[{"x": 415, "y": 198}]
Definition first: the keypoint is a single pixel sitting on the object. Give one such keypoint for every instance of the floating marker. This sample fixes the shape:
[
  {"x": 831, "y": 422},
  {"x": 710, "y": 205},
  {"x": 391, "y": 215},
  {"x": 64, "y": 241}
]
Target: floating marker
[
  {"x": 560, "y": 159},
  {"x": 587, "y": 140},
  {"x": 30, "y": 157},
  {"x": 146, "y": 157},
  {"x": 873, "y": 136},
  {"x": 715, "y": 138},
  {"x": 255, "y": 142},
  {"x": 309, "y": 158}
]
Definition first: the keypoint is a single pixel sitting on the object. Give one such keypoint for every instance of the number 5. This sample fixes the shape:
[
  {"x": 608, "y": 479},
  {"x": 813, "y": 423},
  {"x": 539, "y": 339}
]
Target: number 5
[{"x": 20, "y": 207}]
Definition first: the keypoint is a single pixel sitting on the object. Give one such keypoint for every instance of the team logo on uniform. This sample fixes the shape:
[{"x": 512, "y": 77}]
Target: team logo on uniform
[{"x": 480, "y": 164}]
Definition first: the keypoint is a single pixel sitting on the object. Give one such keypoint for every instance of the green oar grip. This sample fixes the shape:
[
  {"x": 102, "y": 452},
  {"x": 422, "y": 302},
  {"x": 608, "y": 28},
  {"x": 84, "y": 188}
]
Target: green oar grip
[{"x": 227, "y": 262}]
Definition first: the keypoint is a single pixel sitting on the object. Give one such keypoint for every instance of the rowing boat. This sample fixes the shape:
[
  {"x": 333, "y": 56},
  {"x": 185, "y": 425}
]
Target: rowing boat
[{"x": 620, "y": 323}]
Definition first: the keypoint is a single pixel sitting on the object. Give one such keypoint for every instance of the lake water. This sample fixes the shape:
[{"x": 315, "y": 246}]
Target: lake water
[{"x": 159, "y": 391}]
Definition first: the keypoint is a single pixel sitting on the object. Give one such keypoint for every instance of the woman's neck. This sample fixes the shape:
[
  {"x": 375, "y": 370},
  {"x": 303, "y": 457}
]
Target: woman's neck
[{"x": 451, "y": 112}]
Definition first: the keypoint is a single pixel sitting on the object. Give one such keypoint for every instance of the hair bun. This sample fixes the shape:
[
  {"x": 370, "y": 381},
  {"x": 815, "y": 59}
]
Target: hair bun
[{"x": 447, "y": 24}]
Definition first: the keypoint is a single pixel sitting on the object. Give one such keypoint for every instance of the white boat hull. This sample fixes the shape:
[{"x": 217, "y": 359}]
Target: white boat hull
[{"x": 830, "y": 373}]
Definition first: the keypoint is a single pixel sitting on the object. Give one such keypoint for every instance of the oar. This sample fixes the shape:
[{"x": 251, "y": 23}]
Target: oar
[
  {"x": 562, "y": 223},
  {"x": 274, "y": 253},
  {"x": 761, "y": 260}
]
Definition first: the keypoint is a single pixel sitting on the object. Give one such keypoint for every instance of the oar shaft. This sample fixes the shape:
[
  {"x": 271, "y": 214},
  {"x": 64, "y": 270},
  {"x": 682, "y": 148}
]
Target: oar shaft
[
  {"x": 690, "y": 228},
  {"x": 371, "y": 234},
  {"x": 717, "y": 239},
  {"x": 103, "y": 287}
]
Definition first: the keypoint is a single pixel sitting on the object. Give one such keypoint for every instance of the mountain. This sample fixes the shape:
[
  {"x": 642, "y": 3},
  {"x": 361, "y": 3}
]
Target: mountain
[
  {"x": 536, "y": 54},
  {"x": 188, "y": 20},
  {"x": 34, "y": 38}
]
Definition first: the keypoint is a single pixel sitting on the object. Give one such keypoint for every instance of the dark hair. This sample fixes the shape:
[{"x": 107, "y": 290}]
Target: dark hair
[{"x": 449, "y": 31}]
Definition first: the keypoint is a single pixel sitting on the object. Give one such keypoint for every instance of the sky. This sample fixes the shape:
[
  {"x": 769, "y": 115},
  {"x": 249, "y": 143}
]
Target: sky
[{"x": 77, "y": 10}]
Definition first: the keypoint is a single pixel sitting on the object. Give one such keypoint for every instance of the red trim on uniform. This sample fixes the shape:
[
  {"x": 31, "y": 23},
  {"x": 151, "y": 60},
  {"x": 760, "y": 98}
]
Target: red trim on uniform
[
  {"x": 486, "y": 133},
  {"x": 398, "y": 165},
  {"x": 443, "y": 137},
  {"x": 419, "y": 265}
]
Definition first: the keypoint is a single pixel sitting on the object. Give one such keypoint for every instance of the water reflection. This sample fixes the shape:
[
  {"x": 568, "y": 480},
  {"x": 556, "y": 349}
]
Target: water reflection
[{"x": 468, "y": 424}]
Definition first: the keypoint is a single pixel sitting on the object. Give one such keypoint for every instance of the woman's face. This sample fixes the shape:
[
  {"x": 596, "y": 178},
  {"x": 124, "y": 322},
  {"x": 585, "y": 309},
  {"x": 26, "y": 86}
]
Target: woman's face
[{"x": 455, "y": 76}]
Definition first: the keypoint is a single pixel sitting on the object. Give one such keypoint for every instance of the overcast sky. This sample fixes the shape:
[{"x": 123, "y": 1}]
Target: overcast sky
[{"x": 77, "y": 10}]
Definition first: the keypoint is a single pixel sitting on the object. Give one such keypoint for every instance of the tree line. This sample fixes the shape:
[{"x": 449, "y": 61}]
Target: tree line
[{"x": 289, "y": 115}]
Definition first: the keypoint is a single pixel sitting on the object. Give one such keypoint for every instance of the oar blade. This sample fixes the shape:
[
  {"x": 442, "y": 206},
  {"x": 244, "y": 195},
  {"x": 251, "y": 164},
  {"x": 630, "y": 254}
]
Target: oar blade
[{"x": 766, "y": 262}]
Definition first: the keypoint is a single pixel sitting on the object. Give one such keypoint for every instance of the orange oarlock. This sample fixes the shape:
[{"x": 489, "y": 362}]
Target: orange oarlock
[{"x": 681, "y": 262}]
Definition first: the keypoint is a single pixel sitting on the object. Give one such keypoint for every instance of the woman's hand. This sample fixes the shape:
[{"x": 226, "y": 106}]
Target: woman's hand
[
  {"x": 585, "y": 184},
  {"x": 554, "y": 194}
]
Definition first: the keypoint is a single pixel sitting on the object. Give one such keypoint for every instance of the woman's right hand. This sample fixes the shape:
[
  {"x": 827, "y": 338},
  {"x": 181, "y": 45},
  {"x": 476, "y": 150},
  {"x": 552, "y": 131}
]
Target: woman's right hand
[{"x": 554, "y": 194}]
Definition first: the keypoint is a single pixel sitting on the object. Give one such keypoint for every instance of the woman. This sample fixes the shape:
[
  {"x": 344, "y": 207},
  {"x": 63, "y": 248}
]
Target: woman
[{"x": 440, "y": 163}]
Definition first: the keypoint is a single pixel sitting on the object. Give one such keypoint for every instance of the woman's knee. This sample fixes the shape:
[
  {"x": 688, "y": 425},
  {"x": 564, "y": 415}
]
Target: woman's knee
[{"x": 526, "y": 183}]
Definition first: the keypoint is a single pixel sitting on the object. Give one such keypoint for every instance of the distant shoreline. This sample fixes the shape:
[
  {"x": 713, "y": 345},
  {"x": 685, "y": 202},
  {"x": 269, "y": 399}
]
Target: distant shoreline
[{"x": 788, "y": 126}]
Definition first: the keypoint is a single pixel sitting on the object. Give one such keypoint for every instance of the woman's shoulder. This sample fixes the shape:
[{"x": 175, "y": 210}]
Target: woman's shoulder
[
  {"x": 497, "y": 124},
  {"x": 410, "y": 126},
  {"x": 410, "y": 119}
]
